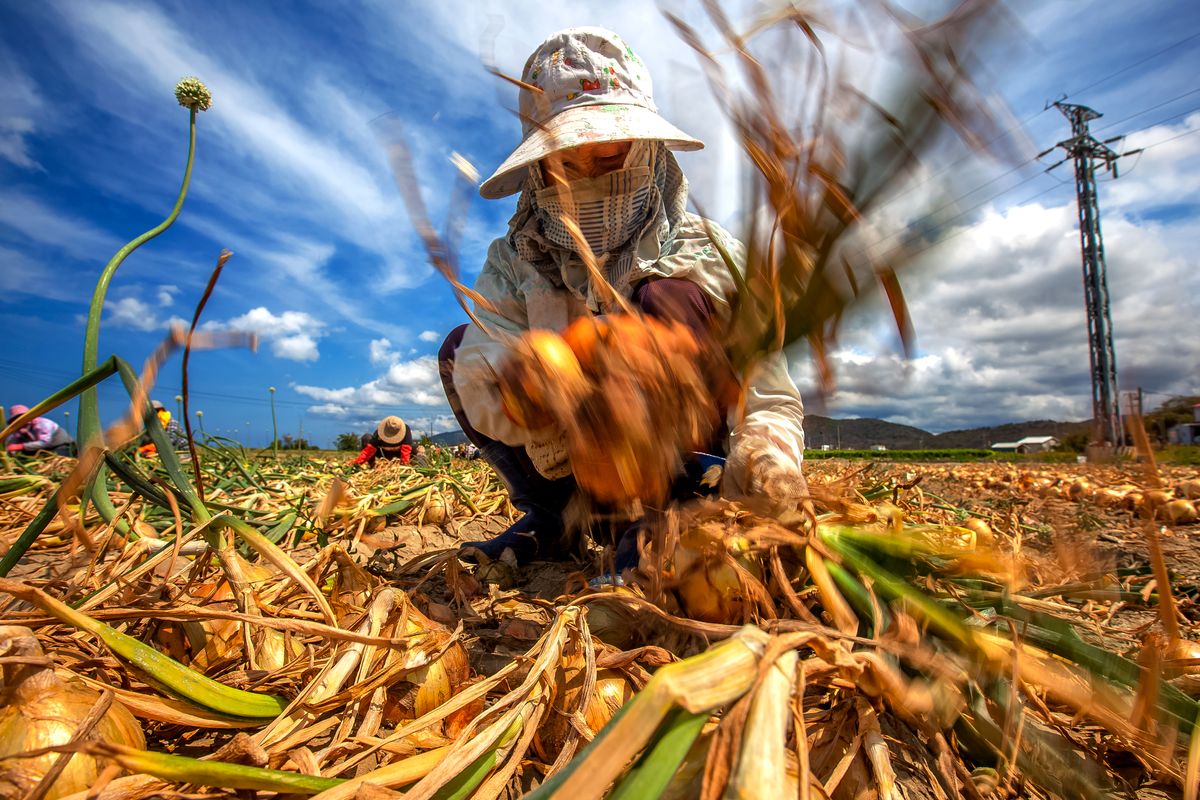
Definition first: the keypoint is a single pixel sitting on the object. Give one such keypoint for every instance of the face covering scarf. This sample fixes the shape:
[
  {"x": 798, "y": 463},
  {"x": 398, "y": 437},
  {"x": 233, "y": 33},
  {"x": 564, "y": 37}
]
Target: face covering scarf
[
  {"x": 609, "y": 209},
  {"x": 533, "y": 233}
]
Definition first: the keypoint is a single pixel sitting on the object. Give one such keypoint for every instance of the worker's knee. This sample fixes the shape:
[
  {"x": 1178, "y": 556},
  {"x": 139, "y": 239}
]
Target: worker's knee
[{"x": 675, "y": 299}]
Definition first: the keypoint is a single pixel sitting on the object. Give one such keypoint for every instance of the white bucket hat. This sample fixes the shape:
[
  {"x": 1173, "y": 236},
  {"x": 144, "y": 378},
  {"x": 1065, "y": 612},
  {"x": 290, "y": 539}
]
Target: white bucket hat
[{"x": 594, "y": 89}]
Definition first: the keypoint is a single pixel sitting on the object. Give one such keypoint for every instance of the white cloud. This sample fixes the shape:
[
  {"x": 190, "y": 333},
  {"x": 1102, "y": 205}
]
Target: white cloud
[
  {"x": 430, "y": 336},
  {"x": 1000, "y": 324},
  {"x": 381, "y": 352},
  {"x": 136, "y": 314},
  {"x": 329, "y": 410},
  {"x": 130, "y": 312},
  {"x": 299, "y": 347},
  {"x": 292, "y": 334},
  {"x": 166, "y": 294},
  {"x": 404, "y": 384}
]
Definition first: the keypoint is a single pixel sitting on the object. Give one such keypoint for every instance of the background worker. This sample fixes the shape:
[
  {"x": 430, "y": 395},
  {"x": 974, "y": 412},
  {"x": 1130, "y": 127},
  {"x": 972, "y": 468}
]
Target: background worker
[
  {"x": 392, "y": 439},
  {"x": 39, "y": 435},
  {"x": 175, "y": 434},
  {"x": 591, "y": 118}
]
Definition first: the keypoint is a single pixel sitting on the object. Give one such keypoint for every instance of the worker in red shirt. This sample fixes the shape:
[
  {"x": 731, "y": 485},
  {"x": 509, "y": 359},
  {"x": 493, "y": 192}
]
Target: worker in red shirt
[{"x": 392, "y": 439}]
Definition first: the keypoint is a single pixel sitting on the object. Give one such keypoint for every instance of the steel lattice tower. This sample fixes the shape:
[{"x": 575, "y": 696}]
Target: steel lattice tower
[{"x": 1086, "y": 151}]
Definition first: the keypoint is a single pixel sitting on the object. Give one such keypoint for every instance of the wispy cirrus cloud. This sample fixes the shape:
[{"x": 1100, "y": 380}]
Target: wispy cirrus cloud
[
  {"x": 21, "y": 106},
  {"x": 39, "y": 222}
]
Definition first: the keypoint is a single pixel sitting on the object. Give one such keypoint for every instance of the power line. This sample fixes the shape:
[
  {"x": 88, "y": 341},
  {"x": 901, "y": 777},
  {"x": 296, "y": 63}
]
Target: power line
[
  {"x": 918, "y": 251},
  {"x": 21, "y": 370},
  {"x": 1037, "y": 114},
  {"x": 951, "y": 203},
  {"x": 1125, "y": 69},
  {"x": 1148, "y": 110},
  {"x": 1171, "y": 139}
]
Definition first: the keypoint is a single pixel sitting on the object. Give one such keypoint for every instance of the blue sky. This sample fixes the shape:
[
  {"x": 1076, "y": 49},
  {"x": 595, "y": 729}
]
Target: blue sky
[{"x": 292, "y": 176}]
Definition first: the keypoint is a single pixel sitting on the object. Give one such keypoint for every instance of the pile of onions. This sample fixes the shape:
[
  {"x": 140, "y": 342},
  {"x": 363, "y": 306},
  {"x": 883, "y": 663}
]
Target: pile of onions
[{"x": 38, "y": 709}]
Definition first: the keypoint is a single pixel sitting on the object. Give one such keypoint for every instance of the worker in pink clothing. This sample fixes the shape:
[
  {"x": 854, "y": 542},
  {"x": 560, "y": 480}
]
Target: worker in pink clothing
[{"x": 39, "y": 435}]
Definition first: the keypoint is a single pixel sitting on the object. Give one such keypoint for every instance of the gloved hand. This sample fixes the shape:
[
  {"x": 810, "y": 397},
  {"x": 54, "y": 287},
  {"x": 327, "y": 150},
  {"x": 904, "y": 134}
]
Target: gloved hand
[
  {"x": 549, "y": 455},
  {"x": 16, "y": 447},
  {"x": 764, "y": 470},
  {"x": 781, "y": 483}
]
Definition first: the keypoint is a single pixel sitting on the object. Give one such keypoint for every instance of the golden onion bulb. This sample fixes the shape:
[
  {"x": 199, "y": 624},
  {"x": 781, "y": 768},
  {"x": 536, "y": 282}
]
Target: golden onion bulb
[
  {"x": 983, "y": 532},
  {"x": 611, "y": 623},
  {"x": 709, "y": 586},
  {"x": 38, "y": 709},
  {"x": 1183, "y": 650},
  {"x": 612, "y": 690},
  {"x": 437, "y": 510},
  {"x": 1180, "y": 511},
  {"x": 428, "y": 687},
  {"x": 541, "y": 381}
]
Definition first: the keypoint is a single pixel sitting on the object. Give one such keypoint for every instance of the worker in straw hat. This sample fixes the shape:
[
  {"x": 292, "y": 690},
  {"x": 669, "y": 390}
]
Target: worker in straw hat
[
  {"x": 588, "y": 115},
  {"x": 392, "y": 439}
]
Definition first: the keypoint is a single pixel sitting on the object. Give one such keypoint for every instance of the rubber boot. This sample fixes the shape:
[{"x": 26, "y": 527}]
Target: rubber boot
[{"x": 537, "y": 536}]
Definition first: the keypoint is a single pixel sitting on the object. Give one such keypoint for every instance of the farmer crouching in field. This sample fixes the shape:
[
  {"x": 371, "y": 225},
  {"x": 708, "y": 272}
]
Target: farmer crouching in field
[
  {"x": 175, "y": 434},
  {"x": 40, "y": 435},
  {"x": 595, "y": 119},
  {"x": 391, "y": 440}
]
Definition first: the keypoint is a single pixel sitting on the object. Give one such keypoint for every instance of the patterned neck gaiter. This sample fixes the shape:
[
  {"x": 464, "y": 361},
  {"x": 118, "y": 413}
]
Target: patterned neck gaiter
[
  {"x": 609, "y": 209},
  {"x": 553, "y": 253}
]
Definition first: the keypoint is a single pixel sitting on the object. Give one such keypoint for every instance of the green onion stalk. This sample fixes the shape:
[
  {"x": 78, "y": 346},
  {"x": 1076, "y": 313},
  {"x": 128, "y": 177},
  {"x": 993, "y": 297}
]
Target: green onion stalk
[{"x": 194, "y": 96}]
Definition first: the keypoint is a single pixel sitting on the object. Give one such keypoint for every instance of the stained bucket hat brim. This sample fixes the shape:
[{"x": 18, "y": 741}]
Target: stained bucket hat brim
[{"x": 579, "y": 125}]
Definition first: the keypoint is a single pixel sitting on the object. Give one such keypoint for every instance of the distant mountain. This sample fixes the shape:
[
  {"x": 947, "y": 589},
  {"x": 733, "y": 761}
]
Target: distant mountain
[
  {"x": 861, "y": 434},
  {"x": 449, "y": 438},
  {"x": 864, "y": 433},
  {"x": 1010, "y": 432}
]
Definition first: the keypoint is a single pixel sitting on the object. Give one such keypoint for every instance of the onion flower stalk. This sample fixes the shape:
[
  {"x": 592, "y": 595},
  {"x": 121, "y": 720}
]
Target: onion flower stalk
[{"x": 194, "y": 96}]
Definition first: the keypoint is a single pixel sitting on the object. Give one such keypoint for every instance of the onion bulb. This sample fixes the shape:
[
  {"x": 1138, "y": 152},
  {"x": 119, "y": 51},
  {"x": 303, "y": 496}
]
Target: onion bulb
[
  {"x": 612, "y": 691},
  {"x": 1185, "y": 651},
  {"x": 541, "y": 381},
  {"x": 436, "y": 508},
  {"x": 426, "y": 688},
  {"x": 983, "y": 532},
  {"x": 709, "y": 585},
  {"x": 1180, "y": 511},
  {"x": 38, "y": 709}
]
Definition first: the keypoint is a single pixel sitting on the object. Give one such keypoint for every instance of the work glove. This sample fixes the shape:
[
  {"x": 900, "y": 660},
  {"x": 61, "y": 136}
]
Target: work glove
[
  {"x": 549, "y": 455},
  {"x": 765, "y": 472}
]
